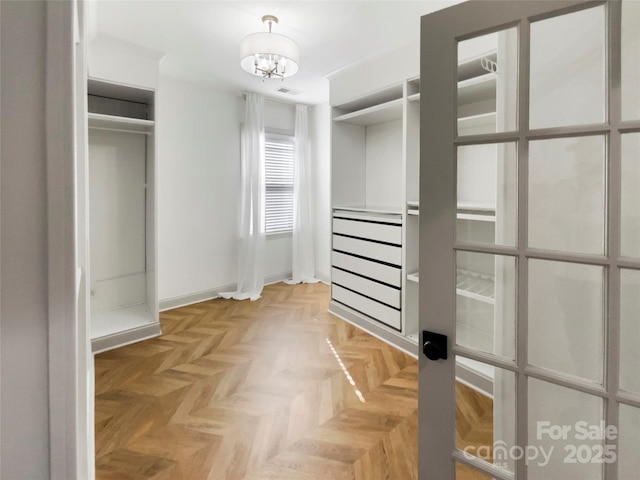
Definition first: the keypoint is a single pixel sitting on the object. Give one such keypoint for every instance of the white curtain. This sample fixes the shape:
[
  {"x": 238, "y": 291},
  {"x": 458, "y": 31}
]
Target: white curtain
[
  {"x": 303, "y": 261},
  {"x": 252, "y": 237}
]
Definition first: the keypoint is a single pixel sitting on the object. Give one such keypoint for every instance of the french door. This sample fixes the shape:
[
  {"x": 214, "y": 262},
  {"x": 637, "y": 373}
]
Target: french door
[{"x": 530, "y": 241}]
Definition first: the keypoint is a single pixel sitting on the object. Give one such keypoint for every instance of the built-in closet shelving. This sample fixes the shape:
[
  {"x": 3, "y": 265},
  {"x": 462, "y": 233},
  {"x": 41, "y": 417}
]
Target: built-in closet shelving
[
  {"x": 412, "y": 207},
  {"x": 376, "y": 170},
  {"x": 475, "y": 285},
  {"x": 476, "y": 316},
  {"x": 122, "y": 214},
  {"x": 375, "y": 189},
  {"x": 380, "y": 113},
  {"x": 477, "y": 82}
]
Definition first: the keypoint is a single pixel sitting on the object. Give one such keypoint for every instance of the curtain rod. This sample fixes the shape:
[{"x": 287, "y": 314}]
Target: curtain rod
[{"x": 270, "y": 99}]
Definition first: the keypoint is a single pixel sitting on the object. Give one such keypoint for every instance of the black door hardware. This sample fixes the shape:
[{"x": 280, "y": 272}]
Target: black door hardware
[{"x": 434, "y": 345}]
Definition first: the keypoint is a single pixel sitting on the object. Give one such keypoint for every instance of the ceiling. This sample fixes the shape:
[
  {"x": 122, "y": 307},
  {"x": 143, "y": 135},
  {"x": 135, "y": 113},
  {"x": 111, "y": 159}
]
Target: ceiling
[{"x": 200, "y": 40}]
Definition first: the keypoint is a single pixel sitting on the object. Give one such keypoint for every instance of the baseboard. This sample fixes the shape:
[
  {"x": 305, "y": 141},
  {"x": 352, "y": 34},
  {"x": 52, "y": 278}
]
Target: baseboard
[
  {"x": 324, "y": 278},
  {"x": 393, "y": 338},
  {"x": 277, "y": 277},
  {"x": 474, "y": 379},
  {"x": 191, "y": 298},
  {"x": 204, "y": 295},
  {"x": 126, "y": 337}
]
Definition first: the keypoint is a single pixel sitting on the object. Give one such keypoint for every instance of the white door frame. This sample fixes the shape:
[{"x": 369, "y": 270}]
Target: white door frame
[{"x": 70, "y": 419}]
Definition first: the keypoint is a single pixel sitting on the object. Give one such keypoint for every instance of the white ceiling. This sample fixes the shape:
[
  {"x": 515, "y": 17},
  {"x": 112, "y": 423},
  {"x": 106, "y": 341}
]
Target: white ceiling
[{"x": 200, "y": 39}]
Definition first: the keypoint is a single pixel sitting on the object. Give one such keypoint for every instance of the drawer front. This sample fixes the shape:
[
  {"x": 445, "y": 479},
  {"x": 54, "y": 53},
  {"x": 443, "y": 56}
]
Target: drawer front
[
  {"x": 375, "y": 251},
  {"x": 377, "y": 271},
  {"x": 368, "y": 230},
  {"x": 371, "y": 308},
  {"x": 369, "y": 288}
]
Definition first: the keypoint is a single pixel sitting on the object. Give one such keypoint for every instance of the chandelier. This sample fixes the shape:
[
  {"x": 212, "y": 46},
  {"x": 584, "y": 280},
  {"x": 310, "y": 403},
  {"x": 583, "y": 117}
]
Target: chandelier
[{"x": 267, "y": 54}]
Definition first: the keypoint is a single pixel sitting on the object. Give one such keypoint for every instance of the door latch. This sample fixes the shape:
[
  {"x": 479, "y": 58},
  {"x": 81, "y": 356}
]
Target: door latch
[{"x": 434, "y": 345}]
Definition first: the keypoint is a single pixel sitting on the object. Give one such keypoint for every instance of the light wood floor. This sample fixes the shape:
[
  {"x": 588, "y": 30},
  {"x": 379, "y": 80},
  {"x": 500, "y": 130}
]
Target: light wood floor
[
  {"x": 474, "y": 427},
  {"x": 272, "y": 389}
]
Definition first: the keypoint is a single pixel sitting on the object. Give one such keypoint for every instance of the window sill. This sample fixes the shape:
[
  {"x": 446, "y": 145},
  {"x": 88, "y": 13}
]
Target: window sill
[{"x": 276, "y": 235}]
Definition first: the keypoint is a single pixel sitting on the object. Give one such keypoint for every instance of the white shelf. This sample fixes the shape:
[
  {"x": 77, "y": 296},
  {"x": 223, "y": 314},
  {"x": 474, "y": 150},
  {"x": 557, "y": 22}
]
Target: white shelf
[
  {"x": 414, "y": 277},
  {"x": 477, "y": 124},
  {"x": 115, "y": 321},
  {"x": 384, "y": 112},
  {"x": 117, "y": 328},
  {"x": 477, "y": 88},
  {"x": 478, "y": 211},
  {"x": 481, "y": 206},
  {"x": 125, "y": 124},
  {"x": 476, "y": 217},
  {"x": 476, "y": 375},
  {"x": 476, "y": 286},
  {"x": 380, "y": 209}
]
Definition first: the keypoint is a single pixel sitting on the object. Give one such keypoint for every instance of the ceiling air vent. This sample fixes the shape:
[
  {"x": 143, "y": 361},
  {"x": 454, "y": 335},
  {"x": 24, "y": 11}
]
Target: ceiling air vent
[{"x": 288, "y": 91}]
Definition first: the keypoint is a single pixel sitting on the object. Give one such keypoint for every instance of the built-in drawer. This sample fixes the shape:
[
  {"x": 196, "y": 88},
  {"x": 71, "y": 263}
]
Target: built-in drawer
[
  {"x": 376, "y": 251},
  {"x": 377, "y": 271},
  {"x": 369, "y": 288},
  {"x": 376, "y": 310},
  {"x": 381, "y": 232}
]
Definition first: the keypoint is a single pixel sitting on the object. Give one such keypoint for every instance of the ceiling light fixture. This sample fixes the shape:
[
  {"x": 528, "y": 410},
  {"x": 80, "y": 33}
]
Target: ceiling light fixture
[{"x": 267, "y": 54}]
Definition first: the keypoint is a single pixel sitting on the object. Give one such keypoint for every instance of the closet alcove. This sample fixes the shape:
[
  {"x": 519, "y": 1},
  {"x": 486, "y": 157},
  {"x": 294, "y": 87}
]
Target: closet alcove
[
  {"x": 122, "y": 215},
  {"x": 376, "y": 205}
]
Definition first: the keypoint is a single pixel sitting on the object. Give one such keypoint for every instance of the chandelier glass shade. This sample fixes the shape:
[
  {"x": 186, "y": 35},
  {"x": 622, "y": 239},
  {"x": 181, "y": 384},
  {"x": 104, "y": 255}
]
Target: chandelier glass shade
[{"x": 269, "y": 55}]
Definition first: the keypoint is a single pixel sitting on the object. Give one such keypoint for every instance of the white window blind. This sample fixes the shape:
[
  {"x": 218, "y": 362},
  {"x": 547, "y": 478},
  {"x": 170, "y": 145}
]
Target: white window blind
[{"x": 279, "y": 155}]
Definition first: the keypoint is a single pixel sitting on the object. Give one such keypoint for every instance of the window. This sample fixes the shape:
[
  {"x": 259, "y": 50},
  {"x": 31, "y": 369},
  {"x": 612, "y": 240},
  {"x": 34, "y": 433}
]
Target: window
[{"x": 279, "y": 155}]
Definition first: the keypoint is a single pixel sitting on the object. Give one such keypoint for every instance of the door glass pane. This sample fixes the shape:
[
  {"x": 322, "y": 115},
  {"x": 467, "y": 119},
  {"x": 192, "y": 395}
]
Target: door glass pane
[
  {"x": 630, "y": 330},
  {"x": 567, "y": 77},
  {"x": 556, "y": 433},
  {"x": 464, "y": 472},
  {"x": 628, "y": 441},
  {"x": 485, "y": 412},
  {"x": 630, "y": 60},
  {"x": 486, "y": 302},
  {"x": 487, "y": 83},
  {"x": 486, "y": 193},
  {"x": 566, "y": 318},
  {"x": 630, "y": 190},
  {"x": 567, "y": 194}
]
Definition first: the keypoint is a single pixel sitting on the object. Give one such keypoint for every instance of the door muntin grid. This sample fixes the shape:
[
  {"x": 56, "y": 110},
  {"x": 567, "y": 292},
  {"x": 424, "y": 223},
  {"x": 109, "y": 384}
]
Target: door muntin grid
[{"x": 601, "y": 258}]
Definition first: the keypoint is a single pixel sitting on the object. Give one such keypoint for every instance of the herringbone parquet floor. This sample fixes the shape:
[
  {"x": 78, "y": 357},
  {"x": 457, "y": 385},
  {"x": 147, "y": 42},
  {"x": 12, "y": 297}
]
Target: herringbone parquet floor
[{"x": 272, "y": 389}]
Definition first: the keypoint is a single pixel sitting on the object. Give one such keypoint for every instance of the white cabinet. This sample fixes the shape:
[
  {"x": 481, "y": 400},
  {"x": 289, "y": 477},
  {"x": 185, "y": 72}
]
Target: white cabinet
[
  {"x": 122, "y": 218},
  {"x": 375, "y": 183},
  {"x": 367, "y": 265}
]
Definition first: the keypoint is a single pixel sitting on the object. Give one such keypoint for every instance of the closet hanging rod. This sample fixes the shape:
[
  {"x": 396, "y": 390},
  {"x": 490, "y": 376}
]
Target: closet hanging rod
[
  {"x": 243, "y": 95},
  {"x": 121, "y": 130}
]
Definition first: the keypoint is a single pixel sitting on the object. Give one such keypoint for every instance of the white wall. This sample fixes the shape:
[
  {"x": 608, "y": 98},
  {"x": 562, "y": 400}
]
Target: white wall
[
  {"x": 320, "y": 134},
  {"x": 367, "y": 76},
  {"x": 198, "y": 190},
  {"x": 198, "y": 178},
  {"x": 383, "y": 176},
  {"x": 279, "y": 116},
  {"x": 24, "y": 418},
  {"x": 123, "y": 63}
]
